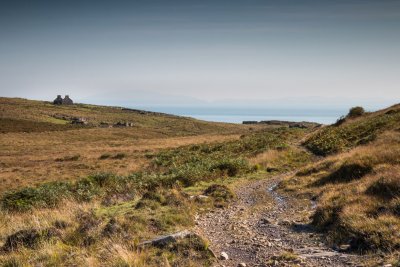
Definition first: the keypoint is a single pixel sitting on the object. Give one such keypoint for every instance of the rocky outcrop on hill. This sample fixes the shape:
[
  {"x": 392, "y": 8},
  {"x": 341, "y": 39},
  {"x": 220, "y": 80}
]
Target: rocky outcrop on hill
[{"x": 290, "y": 124}]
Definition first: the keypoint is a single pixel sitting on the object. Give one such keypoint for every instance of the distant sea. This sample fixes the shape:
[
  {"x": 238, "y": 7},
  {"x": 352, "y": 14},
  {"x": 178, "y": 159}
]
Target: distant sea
[{"x": 233, "y": 115}]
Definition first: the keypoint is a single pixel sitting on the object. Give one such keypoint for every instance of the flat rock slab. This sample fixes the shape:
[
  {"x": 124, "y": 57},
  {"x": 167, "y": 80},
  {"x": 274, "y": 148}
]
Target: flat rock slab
[{"x": 164, "y": 240}]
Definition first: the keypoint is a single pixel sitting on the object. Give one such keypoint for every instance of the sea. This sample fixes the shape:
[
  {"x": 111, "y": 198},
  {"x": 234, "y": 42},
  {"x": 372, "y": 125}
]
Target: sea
[{"x": 238, "y": 115}]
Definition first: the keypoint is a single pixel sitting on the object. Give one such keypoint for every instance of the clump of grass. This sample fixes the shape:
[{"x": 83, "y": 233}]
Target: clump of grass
[
  {"x": 69, "y": 158},
  {"x": 109, "y": 156},
  {"x": 29, "y": 238},
  {"x": 387, "y": 186},
  {"x": 220, "y": 193},
  {"x": 348, "y": 171},
  {"x": 119, "y": 156},
  {"x": 105, "y": 156}
]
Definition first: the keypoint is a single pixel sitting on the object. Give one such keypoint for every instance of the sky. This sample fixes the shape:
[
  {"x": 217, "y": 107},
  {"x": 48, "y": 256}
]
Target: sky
[{"x": 253, "y": 53}]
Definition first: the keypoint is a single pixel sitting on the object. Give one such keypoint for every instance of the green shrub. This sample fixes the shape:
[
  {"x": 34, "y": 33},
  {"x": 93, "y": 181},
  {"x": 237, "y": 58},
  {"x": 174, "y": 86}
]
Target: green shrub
[
  {"x": 85, "y": 189},
  {"x": 356, "y": 112},
  {"x": 44, "y": 196}
]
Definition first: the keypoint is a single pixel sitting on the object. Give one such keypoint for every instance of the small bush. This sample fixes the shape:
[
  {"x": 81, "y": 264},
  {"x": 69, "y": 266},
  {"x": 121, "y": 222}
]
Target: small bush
[
  {"x": 356, "y": 112},
  {"x": 46, "y": 196},
  {"x": 85, "y": 189}
]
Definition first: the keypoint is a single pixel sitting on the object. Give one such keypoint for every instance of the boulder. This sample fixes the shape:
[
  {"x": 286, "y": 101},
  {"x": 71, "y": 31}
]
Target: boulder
[{"x": 162, "y": 241}]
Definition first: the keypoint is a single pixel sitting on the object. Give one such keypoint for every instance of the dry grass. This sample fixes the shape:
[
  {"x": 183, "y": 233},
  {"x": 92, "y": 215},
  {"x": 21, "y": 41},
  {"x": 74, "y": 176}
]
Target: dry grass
[
  {"x": 355, "y": 206},
  {"x": 86, "y": 239},
  {"x": 29, "y": 159},
  {"x": 35, "y": 147}
]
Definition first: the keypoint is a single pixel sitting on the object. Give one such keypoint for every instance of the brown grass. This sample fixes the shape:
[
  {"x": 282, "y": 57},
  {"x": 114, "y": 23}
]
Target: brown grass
[
  {"x": 360, "y": 207},
  {"x": 28, "y": 159}
]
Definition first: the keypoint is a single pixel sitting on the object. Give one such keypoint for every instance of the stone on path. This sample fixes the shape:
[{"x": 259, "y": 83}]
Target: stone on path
[{"x": 224, "y": 256}]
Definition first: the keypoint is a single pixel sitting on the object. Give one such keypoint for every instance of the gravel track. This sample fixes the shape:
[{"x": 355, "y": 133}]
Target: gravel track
[{"x": 262, "y": 228}]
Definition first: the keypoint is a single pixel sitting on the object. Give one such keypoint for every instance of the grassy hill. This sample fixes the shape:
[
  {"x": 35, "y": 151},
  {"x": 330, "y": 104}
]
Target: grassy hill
[
  {"x": 357, "y": 184},
  {"x": 88, "y": 196},
  {"x": 22, "y": 115}
]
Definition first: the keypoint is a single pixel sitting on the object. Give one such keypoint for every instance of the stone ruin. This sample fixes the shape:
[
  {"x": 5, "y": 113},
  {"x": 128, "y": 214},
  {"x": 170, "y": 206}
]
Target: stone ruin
[{"x": 63, "y": 101}]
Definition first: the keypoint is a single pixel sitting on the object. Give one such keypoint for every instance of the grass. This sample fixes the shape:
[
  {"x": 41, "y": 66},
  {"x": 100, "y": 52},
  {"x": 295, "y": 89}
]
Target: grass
[
  {"x": 364, "y": 129},
  {"x": 111, "y": 210},
  {"x": 105, "y": 190},
  {"x": 357, "y": 194}
]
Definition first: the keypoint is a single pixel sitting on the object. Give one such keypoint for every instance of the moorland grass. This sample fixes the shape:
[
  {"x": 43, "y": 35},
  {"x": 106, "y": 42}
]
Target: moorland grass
[{"x": 337, "y": 138}]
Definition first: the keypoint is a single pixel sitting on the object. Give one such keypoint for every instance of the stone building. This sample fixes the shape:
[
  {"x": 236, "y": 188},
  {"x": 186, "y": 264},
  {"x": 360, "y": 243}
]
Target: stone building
[
  {"x": 60, "y": 101},
  {"x": 67, "y": 100}
]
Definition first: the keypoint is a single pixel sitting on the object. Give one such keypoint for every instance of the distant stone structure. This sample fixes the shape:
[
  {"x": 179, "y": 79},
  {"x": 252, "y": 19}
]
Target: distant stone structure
[
  {"x": 67, "y": 100},
  {"x": 60, "y": 101}
]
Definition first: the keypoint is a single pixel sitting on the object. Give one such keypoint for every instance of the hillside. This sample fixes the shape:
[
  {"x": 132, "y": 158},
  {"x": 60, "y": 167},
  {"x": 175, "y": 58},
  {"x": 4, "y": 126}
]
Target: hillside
[
  {"x": 357, "y": 185},
  {"x": 22, "y": 115},
  {"x": 37, "y": 147},
  {"x": 89, "y": 195}
]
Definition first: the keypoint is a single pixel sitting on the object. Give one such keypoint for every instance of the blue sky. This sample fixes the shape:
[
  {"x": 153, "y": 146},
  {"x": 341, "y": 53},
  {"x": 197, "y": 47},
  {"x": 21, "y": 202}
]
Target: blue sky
[{"x": 201, "y": 53}]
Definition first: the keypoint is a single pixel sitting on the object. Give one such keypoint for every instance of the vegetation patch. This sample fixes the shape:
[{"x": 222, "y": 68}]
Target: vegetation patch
[
  {"x": 30, "y": 238},
  {"x": 356, "y": 112},
  {"x": 334, "y": 139},
  {"x": 69, "y": 158},
  {"x": 387, "y": 186},
  {"x": 347, "y": 172}
]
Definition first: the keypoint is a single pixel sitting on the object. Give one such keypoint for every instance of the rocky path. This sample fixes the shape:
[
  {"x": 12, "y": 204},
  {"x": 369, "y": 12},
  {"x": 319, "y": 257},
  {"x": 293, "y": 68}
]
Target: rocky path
[{"x": 262, "y": 228}]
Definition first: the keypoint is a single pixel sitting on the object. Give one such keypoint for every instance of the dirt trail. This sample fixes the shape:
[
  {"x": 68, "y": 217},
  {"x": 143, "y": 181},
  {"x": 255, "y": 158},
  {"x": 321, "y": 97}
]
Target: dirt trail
[{"x": 260, "y": 227}]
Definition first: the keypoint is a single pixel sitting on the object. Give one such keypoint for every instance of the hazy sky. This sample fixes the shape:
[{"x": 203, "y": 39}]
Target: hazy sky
[{"x": 191, "y": 52}]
